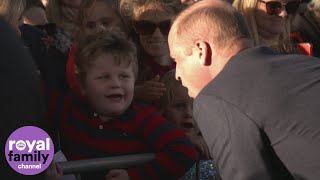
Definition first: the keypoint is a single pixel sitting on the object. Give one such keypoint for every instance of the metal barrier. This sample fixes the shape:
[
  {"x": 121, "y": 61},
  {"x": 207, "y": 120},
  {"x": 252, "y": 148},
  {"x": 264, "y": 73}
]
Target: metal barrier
[{"x": 115, "y": 162}]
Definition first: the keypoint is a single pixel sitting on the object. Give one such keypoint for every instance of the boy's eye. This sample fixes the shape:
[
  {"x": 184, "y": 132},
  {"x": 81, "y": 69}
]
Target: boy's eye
[
  {"x": 124, "y": 76},
  {"x": 103, "y": 77},
  {"x": 105, "y": 23},
  {"x": 91, "y": 25}
]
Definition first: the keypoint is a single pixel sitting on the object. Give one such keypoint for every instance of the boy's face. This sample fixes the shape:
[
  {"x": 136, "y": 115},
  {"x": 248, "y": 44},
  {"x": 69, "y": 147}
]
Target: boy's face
[
  {"x": 109, "y": 87},
  {"x": 180, "y": 110},
  {"x": 101, "y": 17}
]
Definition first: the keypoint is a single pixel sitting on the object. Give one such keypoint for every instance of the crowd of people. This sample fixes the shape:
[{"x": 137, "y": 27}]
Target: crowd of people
[{"x": 229, "y": 85}]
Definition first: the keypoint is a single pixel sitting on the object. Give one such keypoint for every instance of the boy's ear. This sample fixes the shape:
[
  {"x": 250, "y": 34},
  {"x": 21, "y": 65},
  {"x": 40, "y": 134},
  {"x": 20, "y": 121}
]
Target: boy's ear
[{"x": 203, "y": 52}]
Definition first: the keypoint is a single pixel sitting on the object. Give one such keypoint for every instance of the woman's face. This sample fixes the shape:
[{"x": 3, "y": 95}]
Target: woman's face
[
  {"x": 156, "y": 25},
  {"x": 271, "y": 26}
]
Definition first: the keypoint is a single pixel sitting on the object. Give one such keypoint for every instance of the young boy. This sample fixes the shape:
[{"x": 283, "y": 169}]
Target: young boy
[
  {"x": 177, "y": 106},
  {"x": 109, "y": 123}
]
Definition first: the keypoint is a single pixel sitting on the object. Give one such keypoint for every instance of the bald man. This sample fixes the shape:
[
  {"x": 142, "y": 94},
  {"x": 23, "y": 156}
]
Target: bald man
[{"x": 258, "y": 110}]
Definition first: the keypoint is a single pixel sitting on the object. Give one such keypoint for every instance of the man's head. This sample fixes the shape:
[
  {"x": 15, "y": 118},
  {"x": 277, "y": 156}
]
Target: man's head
[{"x": 202, "y": 40}]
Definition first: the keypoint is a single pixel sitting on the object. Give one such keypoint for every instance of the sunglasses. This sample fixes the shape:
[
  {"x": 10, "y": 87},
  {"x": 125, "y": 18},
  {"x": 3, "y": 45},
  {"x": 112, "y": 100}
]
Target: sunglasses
[
  {"x": 145, "y": 27},
  {"x": 276, "y": 7}
]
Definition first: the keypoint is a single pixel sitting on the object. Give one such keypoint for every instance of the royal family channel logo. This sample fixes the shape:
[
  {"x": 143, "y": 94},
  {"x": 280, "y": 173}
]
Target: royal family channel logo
[{"x": 29, "y": 150}]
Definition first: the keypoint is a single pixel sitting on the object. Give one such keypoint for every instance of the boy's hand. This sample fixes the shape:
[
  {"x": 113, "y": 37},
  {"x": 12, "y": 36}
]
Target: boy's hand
[
  {"x": 117, "y": 174},
  {"x": 53, "y": 172},
  {"x": 151, "y": 90},
  {"x": 201, "y": 146}
]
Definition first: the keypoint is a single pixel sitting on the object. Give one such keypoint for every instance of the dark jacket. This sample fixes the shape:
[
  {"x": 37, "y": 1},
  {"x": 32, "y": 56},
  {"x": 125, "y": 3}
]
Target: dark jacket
[{"x": 20, "y": 98}]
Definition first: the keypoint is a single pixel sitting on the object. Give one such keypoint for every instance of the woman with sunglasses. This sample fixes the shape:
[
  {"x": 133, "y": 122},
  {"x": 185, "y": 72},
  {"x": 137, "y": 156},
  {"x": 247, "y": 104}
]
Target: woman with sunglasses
[
  {"x": 269, "y": 21},
  {"x": 151, "y": 21}
]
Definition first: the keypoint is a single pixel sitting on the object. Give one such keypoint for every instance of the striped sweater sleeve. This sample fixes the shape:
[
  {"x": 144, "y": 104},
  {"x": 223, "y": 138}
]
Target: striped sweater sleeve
[{"x": 174, "y": 153}]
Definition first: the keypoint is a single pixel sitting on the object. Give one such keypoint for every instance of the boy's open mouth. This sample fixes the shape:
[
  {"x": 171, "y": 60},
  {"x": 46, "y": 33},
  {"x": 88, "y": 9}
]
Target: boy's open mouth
[{"x": 114, "y": 97}]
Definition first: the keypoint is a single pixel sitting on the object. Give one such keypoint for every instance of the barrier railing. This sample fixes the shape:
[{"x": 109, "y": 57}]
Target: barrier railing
[{"x": 80, "y": 166}]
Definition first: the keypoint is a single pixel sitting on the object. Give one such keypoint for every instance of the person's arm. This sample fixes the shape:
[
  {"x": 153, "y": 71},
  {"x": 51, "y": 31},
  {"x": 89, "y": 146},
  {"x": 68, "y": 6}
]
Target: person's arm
[
  {"x": 175, "y": 154},
  {"x": 239, "y": 147}
]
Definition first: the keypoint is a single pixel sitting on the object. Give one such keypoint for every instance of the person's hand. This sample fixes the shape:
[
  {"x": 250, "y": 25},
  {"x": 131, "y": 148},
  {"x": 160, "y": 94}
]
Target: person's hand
[
  {"x": 201, "y": 146},
  {"x": 117, "y": 174},
  {"x": 53, "y": 172},
  {"x": 151, "y": 90}
]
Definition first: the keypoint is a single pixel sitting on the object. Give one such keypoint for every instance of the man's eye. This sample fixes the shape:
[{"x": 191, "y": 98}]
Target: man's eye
[
  {"x": 105, "y": 23},
  {"x": 180, "y": 106}
]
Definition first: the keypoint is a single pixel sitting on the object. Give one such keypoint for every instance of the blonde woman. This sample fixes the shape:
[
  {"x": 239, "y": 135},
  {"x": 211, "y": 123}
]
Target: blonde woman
[
  {"x": 269, "y": 21},
  {"x": 11, "y": 11}
]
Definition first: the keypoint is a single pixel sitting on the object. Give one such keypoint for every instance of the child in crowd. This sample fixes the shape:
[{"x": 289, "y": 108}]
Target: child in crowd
[
  {"x": 94, "y": 16},
  {"x": 176, "y": 106},
  {"x": 108, "y": 123}
]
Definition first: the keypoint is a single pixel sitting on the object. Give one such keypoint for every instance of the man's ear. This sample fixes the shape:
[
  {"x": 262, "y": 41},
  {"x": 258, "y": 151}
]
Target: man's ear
[{"x": 203, "y": 52}]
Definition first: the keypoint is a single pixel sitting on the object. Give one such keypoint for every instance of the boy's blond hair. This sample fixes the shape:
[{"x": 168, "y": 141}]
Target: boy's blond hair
[
  {"x": 105, "y": 42},
  {"x": 170, "y": 82}
]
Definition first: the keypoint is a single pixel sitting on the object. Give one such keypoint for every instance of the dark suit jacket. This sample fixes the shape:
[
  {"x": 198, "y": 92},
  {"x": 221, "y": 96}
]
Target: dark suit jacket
[{"x": 260, "y": 116}]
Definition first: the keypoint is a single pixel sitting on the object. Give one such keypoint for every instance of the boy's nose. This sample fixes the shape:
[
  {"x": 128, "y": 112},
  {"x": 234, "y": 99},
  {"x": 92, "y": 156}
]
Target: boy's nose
[
  {"x": 100, "y": 28},
  {"x": 115, "y": 83}
]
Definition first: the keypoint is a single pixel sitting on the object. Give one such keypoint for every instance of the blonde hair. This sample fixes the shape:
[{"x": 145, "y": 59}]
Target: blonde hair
[
  {"x": 314, "y": 5},
  {"x": 11, "y": 10},
  {"x": 248, "y": 10},
  {"x": 132, "y": 9},
  {"x": 170, "y": 82},
  {"x": 54, "y": 14},
  {"x": 105, "y": 42}
]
